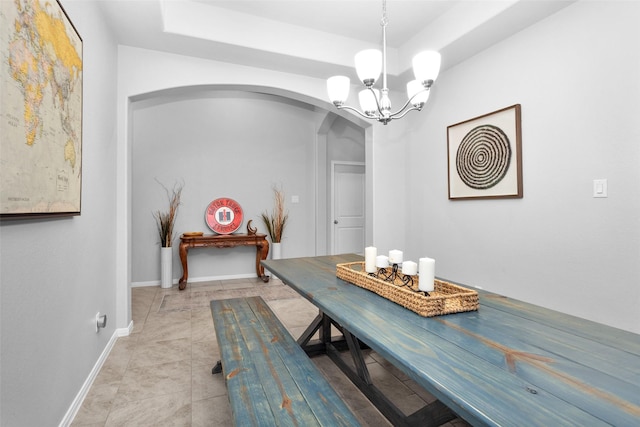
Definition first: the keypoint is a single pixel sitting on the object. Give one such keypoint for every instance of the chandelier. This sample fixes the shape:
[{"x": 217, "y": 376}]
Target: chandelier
[{"x": 375, "y": 104}]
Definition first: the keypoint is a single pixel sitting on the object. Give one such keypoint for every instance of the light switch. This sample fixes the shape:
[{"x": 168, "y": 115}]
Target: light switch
[{"x": 600, "y": 188}]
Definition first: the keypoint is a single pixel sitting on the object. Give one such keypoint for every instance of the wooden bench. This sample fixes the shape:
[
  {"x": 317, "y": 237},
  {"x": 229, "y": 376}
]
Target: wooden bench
[{"x": 270, "y": 379}]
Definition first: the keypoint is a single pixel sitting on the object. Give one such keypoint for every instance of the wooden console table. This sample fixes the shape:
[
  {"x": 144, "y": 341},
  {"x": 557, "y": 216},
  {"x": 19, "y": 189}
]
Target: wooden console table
[{"x": 223, "y": 241}]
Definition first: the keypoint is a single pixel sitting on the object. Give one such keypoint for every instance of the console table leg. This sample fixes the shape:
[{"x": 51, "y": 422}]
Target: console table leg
[
  {"x": 262, "y": 250},
  {"x": 182, "y": 283}
]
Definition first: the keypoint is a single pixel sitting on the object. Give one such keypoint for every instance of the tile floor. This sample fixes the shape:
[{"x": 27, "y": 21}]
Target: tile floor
[{"x": 160, "y": 375}]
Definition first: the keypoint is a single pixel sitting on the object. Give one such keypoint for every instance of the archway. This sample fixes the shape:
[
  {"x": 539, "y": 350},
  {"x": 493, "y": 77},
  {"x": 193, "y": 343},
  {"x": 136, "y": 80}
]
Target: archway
[{"x": 325, "y": 120}]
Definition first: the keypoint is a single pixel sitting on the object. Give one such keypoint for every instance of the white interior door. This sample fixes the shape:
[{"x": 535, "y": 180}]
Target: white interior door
[{"x": 348, "y": 208}]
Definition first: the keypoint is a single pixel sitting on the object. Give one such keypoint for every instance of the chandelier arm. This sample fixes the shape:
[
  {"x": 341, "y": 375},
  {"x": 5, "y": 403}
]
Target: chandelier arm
[
  {"x": 395, "y": 115},
  {"x": 346, "y": 107},
  {"x": 418, "y": 93},
  {"x": 401, "y": 110},
  {"x": 373, "y": 92},
  {"x": 406, "y": 104}
]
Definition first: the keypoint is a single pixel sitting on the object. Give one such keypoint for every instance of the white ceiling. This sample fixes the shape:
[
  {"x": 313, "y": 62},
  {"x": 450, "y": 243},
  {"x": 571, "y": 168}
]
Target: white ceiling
[
  {"x": 356, "y": 19},
  {"x": 320, "y": 37}
]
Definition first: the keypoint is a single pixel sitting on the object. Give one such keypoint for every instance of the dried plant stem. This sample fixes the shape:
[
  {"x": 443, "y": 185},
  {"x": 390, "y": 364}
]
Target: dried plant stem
[
  {"x": 276, "y": 221},
  {"x": 166, "y": 220}
]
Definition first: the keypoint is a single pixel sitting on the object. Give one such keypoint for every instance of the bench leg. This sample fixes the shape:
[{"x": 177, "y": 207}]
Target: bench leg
[{"x": 217, "y": 368}]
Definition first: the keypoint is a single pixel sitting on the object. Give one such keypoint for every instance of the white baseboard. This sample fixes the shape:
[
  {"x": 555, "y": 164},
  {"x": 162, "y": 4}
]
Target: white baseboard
[
  {"x": 125, "y": 332},
  {"x": 82, "y": 394},
  {"x": 196, "y": 279},
  {"x": 149, "y": 283}
]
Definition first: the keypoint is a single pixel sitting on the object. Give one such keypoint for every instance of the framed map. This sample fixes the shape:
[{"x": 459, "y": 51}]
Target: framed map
[
  {"x": 485, "y": 156},
  {"x": 40, "y": 111}
]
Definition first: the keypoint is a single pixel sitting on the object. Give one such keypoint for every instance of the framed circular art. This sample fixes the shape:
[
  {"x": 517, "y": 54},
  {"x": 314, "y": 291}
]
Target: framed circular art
[
  {"x": 485, "y": 156},
  {"x": 224, "y": 215}
]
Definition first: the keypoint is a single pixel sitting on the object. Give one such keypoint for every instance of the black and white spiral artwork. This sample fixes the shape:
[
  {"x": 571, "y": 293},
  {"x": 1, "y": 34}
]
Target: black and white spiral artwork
[{"x": 483, "y": 157}]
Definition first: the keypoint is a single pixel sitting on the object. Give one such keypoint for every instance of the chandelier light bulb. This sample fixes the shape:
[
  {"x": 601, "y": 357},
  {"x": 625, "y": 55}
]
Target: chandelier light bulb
[
  {"x": 338, "y": 89},
  {"x": 426, "y": 67},
  {"x": 417, "y": 93},
  {"x": 368, "y": 66},
  {"x": 369, "y": 101}
]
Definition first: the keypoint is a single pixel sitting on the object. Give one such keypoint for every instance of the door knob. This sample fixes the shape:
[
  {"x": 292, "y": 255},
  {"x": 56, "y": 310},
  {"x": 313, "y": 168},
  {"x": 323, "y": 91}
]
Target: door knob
[{"x": 335, "y": 221}]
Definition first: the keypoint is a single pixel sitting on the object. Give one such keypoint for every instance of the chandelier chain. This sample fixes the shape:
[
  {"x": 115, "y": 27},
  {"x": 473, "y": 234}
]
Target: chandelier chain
[{"x": 384, "y": 21}]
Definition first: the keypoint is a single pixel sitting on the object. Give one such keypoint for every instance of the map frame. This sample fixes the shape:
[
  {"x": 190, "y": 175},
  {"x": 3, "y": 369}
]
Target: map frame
[{"x": 71, "y": 207}]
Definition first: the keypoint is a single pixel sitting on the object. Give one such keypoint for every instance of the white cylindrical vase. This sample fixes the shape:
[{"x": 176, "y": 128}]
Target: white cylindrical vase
[
  {"x": 166, "y": 267},
  {"x": 276, "y": 253},
  {"x": 276, "y": 250}
]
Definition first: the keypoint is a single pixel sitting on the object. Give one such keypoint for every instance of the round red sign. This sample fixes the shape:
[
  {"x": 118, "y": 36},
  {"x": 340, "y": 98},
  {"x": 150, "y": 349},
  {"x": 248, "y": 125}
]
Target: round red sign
[{"x": 224, "y": 215}]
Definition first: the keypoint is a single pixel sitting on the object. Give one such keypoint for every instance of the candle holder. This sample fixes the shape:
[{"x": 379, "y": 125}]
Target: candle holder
[
  {"x": 445, "y": 298},
  {"x": 393, "y": 274}
]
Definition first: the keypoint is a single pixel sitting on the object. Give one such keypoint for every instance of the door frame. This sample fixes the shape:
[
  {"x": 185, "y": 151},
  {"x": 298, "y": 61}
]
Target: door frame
[{"x": 330, "y": 218}]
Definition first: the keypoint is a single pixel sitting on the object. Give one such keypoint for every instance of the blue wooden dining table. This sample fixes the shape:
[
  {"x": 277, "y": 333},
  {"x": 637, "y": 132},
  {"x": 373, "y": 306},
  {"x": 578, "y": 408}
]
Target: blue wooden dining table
[{"x": 510, "y": 363}]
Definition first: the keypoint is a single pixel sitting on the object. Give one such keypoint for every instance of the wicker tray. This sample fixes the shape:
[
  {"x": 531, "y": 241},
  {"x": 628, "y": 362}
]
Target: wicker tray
[{"x": 446, "y": 297}]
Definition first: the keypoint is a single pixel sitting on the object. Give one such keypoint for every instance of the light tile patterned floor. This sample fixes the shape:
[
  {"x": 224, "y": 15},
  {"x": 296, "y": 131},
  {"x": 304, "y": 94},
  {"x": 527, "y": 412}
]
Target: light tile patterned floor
[{"x": 160, "y": 375}]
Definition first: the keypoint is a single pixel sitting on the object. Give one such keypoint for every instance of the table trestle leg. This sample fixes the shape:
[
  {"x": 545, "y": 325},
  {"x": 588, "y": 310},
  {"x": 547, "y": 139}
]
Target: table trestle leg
[
  {"x": 321, "y": 324},
  {"x": 430, "y": 415},
  {"x": 310, "y": 331},
  {"x": 358, "y": 358},
  {"x": 434, "y": 414},
  {"x": 384, "y": 405}
]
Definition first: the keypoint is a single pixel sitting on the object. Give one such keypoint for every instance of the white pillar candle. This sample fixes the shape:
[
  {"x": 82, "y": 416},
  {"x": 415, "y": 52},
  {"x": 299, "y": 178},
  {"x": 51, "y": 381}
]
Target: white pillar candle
[
  {"x": 395, "y": 256},
  {"x": 382, "y": 261},
  {"x": 370, "y": 254},
  {"x": 409, "y": 268},
  {"x": 426, "y": 274}
]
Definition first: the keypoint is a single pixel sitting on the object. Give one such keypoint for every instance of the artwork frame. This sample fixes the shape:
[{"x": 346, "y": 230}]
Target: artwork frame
[
  {"x": 484, "y": 156},
  {"x": 41, "y": 113}
]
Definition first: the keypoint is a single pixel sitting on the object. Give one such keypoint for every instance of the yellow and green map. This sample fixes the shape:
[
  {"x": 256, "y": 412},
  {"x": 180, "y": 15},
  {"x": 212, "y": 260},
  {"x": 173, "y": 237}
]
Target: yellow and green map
[{"x": 41, "y": 109}]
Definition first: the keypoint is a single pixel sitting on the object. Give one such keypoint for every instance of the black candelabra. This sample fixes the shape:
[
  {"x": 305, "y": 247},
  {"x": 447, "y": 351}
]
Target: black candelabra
[{"x": 390, "y": 276}]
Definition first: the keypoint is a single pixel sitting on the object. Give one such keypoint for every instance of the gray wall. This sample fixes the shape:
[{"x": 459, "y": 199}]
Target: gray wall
[
  {"x": 57, "y": 274},
  {"x": 576, "y": 75},
  {"x": 227, "y": 144},
  {"x": 345, "y": 141}
]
